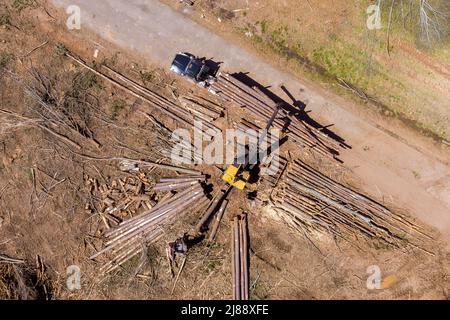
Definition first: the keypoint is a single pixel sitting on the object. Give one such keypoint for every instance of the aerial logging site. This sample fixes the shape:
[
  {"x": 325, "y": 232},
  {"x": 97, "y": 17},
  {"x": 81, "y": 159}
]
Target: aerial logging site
[{"x": 125, "y": 178}]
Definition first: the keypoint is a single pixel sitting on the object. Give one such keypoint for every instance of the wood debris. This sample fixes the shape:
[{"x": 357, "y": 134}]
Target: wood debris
[
  {"x": 153, "y": 99},
  {"x": 121, "y": 198}
]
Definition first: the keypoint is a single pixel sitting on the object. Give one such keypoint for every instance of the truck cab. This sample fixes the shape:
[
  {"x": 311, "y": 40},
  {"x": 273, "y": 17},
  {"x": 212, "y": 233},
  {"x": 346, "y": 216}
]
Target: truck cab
[{"x": 191, "y": 67}]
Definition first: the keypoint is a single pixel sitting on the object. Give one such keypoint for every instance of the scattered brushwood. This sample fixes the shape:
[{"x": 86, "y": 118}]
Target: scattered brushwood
[
  {"x": 187, "y": 153},
  {"x": 310, "y": 201},
  {"x": 10, "y": 124},
  {"x": 253, "y": 100},
  {"x": 69, "y": 107},
  {"x": 152, "y": 98},
  {"x": 165, "y": 143},
  {"x": 68, "y": 112},
  {"x": 21, "y": 281},
  {"x": 7, "y": 259},
  {"x": 239, "y": 257},
  {"x": 60, "y": 108},
  {"x": 170, "y": 198}
]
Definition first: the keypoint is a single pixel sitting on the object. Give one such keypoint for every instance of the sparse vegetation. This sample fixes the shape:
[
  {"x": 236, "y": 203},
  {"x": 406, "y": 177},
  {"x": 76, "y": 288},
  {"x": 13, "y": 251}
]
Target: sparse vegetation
[
  {"x": 23, "y": 282},
  {"x": 88, "y": 81},
  {"x": 60, "y": 49},
  {"x": 20, "y": 5},
  {"x": 264, "y": 26},
  {"x": 117, "y": 106},
  {"x": 147, "y": 76},
  {"x": 5, "y": 60},
  {"x": 5, "y": 19}
]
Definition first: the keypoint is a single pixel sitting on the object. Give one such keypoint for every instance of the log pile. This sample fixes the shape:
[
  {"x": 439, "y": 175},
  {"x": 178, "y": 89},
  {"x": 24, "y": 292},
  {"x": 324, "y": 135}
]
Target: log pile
[
  {"x": 120, "y": 199},
  {"x": 253, "y": 100},
  {"x": 311, "y": 201},
  {"x": 204, "y": 110},
  {"x": 177, "y": 183},
  {"x": 177, "y": 196},
  {"x": 273, "y": 171},
  {"x": 239, "y": 258},
  {"x": 217, "y": 220},
  {"x": 189, "y": 152}
]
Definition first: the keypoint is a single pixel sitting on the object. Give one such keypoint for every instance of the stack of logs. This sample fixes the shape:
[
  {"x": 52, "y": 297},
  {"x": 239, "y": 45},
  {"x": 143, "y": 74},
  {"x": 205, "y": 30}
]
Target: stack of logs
[
  {"x": 177, "y": 183},
  {"x": 312, "y": 201},
  {"x": 120, "y": 199},
  {"x": 273, "y": 172},
  {"x": 205, "y": 110},
  {"x": 256, "y": 102},
  {"x": 131, "y": 236},
  {"x": 188, "y": 152},
  {"x": 239, "y": 258}
]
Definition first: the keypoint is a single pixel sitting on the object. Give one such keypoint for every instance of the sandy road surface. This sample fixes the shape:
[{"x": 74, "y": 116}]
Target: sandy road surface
[{"x": 414, "y": 178}]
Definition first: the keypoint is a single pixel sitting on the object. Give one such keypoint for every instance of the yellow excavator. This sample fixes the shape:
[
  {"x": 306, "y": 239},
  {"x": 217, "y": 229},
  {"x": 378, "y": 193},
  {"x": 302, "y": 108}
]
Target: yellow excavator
[{"x": 239, "y": 173}]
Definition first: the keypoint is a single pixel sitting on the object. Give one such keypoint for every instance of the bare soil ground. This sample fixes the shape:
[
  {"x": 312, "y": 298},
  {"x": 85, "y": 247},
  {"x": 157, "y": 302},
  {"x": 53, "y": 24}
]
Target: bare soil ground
[{"x": 44, "y": 218}]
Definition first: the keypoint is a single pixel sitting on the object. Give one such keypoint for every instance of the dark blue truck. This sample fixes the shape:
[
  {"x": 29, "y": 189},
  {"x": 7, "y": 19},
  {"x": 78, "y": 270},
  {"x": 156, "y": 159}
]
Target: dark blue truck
[{"x": 193, "y": 68}]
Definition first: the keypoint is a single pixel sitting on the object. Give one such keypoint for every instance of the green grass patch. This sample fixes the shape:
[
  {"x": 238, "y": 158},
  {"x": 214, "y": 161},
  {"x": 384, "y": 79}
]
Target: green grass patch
[
  {"x": 20, "y": 5},
  {"x": 90, "y": 81},
  {"x": 147, "y": 76},
  {"x": 117, "y": 107},
  {"x": 60, "y": 49},
  {"x": 353, "y": 59},
  {"x": 5, "y": 59},
  {"x": 348, "y": 62},
  {"x": 5, "y": 20},
  {"x": 264, "y": 26}
]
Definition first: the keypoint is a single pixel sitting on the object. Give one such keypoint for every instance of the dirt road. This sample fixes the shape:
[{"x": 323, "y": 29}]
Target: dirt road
[{"x": 414, "y": 176}]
